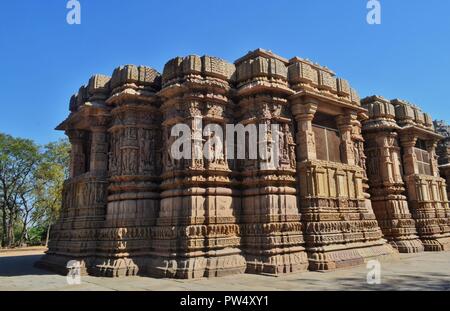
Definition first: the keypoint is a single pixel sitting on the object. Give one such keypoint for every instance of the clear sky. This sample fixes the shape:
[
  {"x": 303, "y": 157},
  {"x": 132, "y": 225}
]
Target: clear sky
[{"x": 44, "y": 60}]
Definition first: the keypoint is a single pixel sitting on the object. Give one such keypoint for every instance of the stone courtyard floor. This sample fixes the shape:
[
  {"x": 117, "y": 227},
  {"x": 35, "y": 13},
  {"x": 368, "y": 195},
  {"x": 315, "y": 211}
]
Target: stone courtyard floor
[{"x": 426, "y": 271}]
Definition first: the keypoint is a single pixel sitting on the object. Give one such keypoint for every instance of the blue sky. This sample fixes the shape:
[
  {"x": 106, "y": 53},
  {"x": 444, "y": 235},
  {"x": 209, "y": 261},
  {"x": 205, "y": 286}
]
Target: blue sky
[{"x": 44, "y": 60}]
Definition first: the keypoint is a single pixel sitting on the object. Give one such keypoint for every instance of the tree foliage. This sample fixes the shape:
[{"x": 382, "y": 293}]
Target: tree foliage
[{"x": 31, "y": 180}]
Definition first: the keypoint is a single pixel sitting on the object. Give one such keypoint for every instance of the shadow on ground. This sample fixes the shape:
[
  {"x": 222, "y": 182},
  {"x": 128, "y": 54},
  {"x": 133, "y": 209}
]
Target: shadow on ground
[
  {"x": 20, "y": 265},
  {"x": 431, "y": 282},
  {"x": 422, "y": 275}
]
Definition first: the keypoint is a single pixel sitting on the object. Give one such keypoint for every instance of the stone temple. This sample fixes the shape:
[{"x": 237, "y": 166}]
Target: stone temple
[{"x": 355, "y": 180}]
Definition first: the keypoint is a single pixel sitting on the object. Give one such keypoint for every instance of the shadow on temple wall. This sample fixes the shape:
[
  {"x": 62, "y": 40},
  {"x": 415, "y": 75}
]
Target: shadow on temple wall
[{"x": 20, "y": 265}]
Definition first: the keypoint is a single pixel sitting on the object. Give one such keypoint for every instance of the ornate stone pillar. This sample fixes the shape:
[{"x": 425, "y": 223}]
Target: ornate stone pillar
[
  {"x": 124, "y": 246},
  {"x": 345, "y": 124},
  {"x": 271, "y": 228},
  {"x": 409, "y": 157},
  {"x": 385, "y": 179},
  {"x": 99, "y": 148},
  {"x": 197, "y": 231},
  {"x": 431, "y": 148},
  {"x": 306, "y": 144},
  {"x": 77, "y": 140},
  {"x": 360, "y": 156},
  {"x": 358, "y": 142},
  {"x": 396, "y": 158}
]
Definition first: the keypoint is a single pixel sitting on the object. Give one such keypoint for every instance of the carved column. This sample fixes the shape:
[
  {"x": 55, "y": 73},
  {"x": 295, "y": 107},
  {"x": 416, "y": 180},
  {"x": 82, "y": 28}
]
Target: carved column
[
  {"x": 409, "y": 157},
  {"x": 306, "y": 144},
  {"x": 358, "y": 142},
  {"x": 360, "y": 155},
  {"x": 99, "y": 149},
  {"x": 431, "y": 148},
  {"x": 345, "y": 124},
  {"x": 133, "y": 191},
  {"x": 197, "y": 233},
  {"x": 77, "y": 140},
  {"x": 385, "y": 178},
  {"x": 271, "y": 228}
]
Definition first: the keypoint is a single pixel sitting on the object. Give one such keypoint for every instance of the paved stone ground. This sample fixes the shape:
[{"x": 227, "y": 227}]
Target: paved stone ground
[{"x": 426, "y": 271}]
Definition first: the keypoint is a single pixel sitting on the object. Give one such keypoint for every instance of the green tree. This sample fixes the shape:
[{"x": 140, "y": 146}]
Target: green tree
[
  {"x": 31, "y": 182},
  {"x": 19, "y": 159},
  {"x": 50, "y": 176}
]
